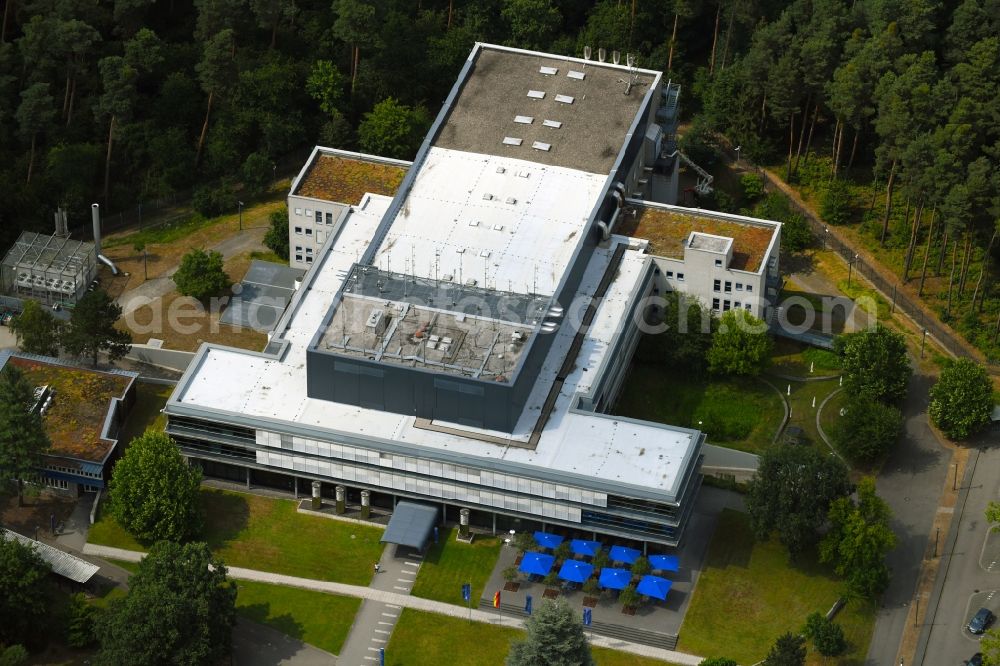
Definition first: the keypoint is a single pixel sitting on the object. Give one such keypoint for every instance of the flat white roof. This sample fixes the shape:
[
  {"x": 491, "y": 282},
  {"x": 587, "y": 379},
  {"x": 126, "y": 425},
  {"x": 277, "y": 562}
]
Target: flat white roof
[
  {"x": 575, "y": 442},
  {"x": 448, "y": 223}
]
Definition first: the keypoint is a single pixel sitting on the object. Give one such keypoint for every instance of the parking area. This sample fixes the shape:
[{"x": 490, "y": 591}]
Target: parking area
[
  {"x": 262, "y": 296},
  {"x": 989, "y": 599}
]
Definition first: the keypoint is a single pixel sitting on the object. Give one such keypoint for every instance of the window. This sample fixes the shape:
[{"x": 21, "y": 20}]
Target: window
[
  {"x": 309, "y": 232},
  {"x": 309, "y": 212},
  {"x": 680, "y": 276},
  {"x": 715, "y": 304},
  {"x": 57, "y": 483},
  {"x": 309, "y": 259},
  {"x": 737, "y": 305},
  {"x": 718, "y": 262},
  {"x": 739, "y": 286},
  {"x": 747, "y": 306},
  {"x": 670, "y": 274},
  {"x": 309, "y": 250},
  {"x": 298, "y": 248},
  {"x": 716, "y": 285},
  {"x": 749, "y": 287},
  {"x": 298, "y": 230},
  {"x": 298, "y": 257},
  {"x": 298, "y": 211},
  {"x": 319, "y": 217},
  {"x": 729, "y": 286},
  {"x": 329, "y": 218},
  {"x": 726, "y": 304}
]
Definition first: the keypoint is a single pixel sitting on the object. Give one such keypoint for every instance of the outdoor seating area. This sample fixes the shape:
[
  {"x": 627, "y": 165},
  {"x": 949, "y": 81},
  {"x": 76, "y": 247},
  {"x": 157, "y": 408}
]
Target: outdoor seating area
[{"x": 586, "y": 565}]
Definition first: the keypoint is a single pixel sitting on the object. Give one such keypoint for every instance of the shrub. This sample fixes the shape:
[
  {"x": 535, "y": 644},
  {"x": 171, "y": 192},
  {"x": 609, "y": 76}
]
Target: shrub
[
  {"x": 551, "y": 579},
  {"x": 201, "y": 274},
  {"x": 835, "y": 205},
  {"x": 214, "y": 200},
  {"x": 628, "y": 597},
  {"x": 825, "y": 635},
  {"x": 591, "y": 586},
  {"x": 80, "y": 622},
  {"x": 276, "y": 238},
  {"x": 753, "y": 186},
  {"x": 510, "y": 574},
  {"x": 257, "y": 171}
]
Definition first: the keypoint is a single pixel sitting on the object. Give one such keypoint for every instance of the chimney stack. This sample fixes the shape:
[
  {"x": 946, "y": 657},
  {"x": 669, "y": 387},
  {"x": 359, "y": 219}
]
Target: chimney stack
[{"x": 95, "y": 211}]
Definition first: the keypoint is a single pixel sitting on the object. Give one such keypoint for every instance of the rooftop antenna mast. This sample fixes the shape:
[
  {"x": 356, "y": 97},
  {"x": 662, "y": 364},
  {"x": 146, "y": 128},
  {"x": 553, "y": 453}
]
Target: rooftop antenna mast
[{"x": 633, "y": 72}]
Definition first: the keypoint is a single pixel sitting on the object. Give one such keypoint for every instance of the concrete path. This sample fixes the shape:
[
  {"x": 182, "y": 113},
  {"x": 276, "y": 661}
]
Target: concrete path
[
  {"x": 158, "y": 287},
  {"x": 375, "y": 620},
  {"x": 73, "y": 534},
  {"x": 403, "y": 600}
]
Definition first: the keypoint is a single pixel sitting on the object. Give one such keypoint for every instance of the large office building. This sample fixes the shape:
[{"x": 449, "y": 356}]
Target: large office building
[{"x": 467, "y": 321}]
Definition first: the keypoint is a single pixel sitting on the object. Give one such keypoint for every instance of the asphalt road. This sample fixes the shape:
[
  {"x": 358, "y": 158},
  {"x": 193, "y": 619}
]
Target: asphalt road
[
  {"x": 911, "y": 482},
  {"x": 971, "y": 568}
]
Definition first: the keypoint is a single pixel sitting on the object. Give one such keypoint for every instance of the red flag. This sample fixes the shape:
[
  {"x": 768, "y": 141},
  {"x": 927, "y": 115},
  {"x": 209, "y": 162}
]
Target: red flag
[{"x": 496, "y": 599}]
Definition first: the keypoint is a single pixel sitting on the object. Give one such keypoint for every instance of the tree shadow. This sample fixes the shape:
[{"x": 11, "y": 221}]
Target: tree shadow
[
  {"x": 261, "y": 613},
  {"x": 226, "y": 516},
  {"x": 798, "y": 262}
]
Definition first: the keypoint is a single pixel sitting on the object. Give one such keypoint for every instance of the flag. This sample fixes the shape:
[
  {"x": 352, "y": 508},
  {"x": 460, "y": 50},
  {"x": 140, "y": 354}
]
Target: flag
[
  {"x": 587, "y": 615},
  {"x": 527, "y": 605},
  {"x": 466, "y": 592},
  {"x": 496, "y": 599}
]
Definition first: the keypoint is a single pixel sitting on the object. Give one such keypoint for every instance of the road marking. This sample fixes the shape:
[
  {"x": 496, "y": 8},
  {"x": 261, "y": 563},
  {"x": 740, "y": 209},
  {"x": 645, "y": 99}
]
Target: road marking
[
  {"x": 378, "y": 640},
  {"x": 373, "y": 649},
  {"x": 397, "y": 587},
  {"x": 412, "y": 564},
  {"x": 393, "y": 606},
  {"x": 404, "y": 580},
  {"x": 388, "y": 624},
  {"x": 390, "y": 614},
  {"x": 370, "y": 658},
  {"x": 381, "y": 631}
]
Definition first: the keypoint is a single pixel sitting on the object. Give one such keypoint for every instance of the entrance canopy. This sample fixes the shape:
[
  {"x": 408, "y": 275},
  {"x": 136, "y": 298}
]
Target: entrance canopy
[{"x": 411, "y": 525}]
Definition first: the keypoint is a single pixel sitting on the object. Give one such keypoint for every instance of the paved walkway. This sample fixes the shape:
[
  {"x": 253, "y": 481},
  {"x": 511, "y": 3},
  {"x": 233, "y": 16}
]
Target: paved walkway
[{"x": 403, "y": 600}]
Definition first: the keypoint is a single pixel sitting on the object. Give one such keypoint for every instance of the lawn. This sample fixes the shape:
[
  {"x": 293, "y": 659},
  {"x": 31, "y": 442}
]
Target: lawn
[
  {"x": 194, "y": 322},
  {"x": 149, "y": 400},
  {"x": 425, "y": 638},
  {"x": 316, "y": 618},
  {"x": 794, "y": 359},
  {"x": 738, "y": 413},
  {"x": 269, "y": 535},
  {"x": 450, "y": 563},
  {"x": 760, "y": 594},
  {"x": 801, "y": 404}
]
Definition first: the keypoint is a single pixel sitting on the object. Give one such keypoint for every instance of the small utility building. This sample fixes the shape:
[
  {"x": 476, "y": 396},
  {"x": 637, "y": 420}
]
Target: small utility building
[{"x": 50, "y": 269}]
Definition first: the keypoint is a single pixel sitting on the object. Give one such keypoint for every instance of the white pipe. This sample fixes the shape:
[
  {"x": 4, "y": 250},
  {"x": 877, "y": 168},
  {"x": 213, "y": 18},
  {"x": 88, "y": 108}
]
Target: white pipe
[
  {"x": 95, "y": 214},
  {"x": 107, "y": 262}
]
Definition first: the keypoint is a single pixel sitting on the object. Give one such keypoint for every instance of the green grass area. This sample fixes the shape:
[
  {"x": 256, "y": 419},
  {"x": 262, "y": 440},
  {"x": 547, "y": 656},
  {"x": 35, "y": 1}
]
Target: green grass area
[
  {"x": 795, "y": 359},
  {"x": 145, "y": 414},
  {"x": 316, "y": 618},
  {"x": 800, "y": 402},
  {"x": 830, "y": 416},
  {"x": 106, "y": 596},
  {"x": 268, "y": 255},
  {"x": 130, "y": 567},
  {"x": 750, "y": 592},
  {"x": 427, "y": 639},
  {"x": 741, "y": 413},
  {"x": 450, "y": 563},
  {"x": 166, "y": 232},
  {"x": 268, "y": 534}
]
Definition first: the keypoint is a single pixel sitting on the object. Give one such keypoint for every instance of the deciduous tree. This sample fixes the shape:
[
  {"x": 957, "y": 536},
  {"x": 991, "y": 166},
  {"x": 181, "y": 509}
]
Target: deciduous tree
[
  {"x": 962, "y": 399},
  {"x": 37, "y": 330},
  {"x": 154, "y": 493},
  {"x": 875, "y": 363},
  {"x": 201, "y": 274},
  {"x": 740, "y": 346},
  {"x": 826, "y": 635},
  {"x": 393, "y": 129},
  {"x": 792, "y": 492},
  {"x": 276, "y": 238},
  {"x": 867, "y": 430},
  {"x": 23, "y": 439},
  {"x": 180, "y": 609},
  {"x": 859, "y": 539}
]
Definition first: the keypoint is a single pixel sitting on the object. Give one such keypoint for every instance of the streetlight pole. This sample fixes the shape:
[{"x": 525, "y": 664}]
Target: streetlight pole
[
  {"x": 850, "y": 268},
  {"x": 922, "y": 341},
  {"x": 241, "y": 214}
]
